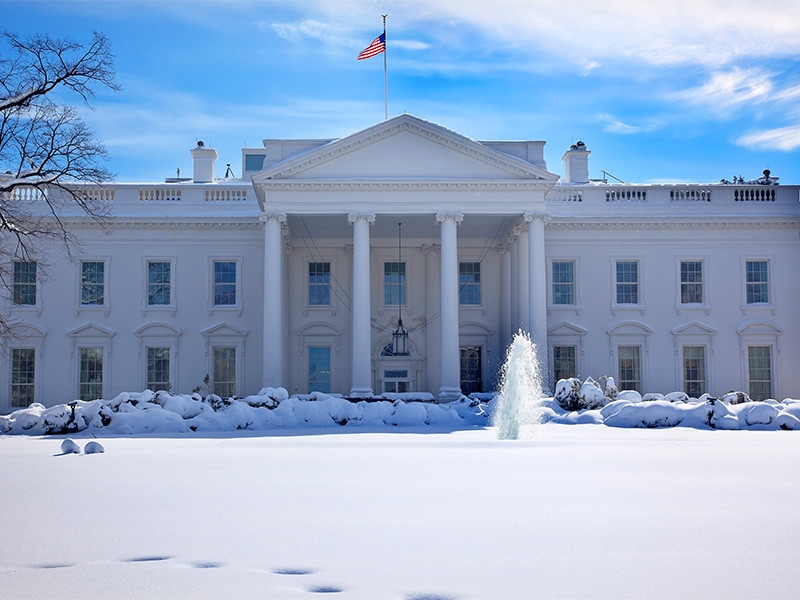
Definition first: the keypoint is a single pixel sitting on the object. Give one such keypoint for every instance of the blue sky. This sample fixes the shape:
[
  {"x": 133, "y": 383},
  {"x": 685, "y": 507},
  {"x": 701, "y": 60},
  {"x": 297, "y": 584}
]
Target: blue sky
[{"x": 693, "y": 90}]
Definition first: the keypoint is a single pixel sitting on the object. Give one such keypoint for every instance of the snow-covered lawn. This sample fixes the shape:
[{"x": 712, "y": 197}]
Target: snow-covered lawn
[{"x": 585, "y": 511}]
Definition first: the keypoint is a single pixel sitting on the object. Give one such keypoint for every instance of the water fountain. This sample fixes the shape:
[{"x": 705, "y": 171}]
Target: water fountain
[{"x": 520, "y": 391}]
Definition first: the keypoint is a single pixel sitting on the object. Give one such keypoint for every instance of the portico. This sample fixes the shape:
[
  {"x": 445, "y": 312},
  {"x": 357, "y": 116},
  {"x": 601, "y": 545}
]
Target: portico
[{"x": 460, "y": 203}]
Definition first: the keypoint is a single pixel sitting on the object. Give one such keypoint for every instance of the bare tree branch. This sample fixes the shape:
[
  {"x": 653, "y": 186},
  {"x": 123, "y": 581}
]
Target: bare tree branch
[{"x": 46, "y": 149}]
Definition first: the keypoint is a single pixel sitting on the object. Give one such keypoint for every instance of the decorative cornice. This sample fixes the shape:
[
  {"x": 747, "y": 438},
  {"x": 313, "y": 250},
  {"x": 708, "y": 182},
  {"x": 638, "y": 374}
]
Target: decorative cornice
[
  {"x": 170, "y": 224},
  {"x": 672, "y": 224},
  {"x": 403, "y": 186}
]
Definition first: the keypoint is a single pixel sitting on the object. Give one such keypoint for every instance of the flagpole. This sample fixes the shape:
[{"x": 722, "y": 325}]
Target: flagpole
[{"x": 385, "y": 78}]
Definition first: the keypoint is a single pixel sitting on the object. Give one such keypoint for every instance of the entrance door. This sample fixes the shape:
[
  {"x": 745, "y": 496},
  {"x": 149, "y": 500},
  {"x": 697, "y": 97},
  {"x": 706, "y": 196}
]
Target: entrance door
[
  {"x": 471, "y": 370},
  {"x": 396, "y": 381}
]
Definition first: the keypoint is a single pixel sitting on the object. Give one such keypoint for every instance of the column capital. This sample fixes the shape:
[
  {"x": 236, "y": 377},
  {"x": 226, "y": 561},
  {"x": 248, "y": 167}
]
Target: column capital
[
  {"x": 355, "y": 216},
  {"x": 530, "y": 216},
  {"x": 267, "y": 216},
  {"x": 441, "y": 217}
]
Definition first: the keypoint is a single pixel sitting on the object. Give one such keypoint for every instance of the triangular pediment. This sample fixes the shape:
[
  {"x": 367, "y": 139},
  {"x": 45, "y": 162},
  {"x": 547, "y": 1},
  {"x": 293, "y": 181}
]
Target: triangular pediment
[
  {"x": 91, "y": 330},
  {"x": 403, "y": 148},
  {"x": 223, "y": 330},
  {"x": 693, "y": 328}
]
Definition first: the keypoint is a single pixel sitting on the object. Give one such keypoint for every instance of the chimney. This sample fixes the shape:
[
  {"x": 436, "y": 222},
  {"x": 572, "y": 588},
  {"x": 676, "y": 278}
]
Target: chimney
[
  {"x": 576, "y": 163},
  {"x": 203, "y": 159}
]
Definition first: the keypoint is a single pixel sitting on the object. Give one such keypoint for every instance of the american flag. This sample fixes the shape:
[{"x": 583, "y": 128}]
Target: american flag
[{"x": 377, "y": 46}]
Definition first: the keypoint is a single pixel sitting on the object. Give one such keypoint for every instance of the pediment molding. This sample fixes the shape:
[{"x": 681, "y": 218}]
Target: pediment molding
[{"x": 430, "y": 132}]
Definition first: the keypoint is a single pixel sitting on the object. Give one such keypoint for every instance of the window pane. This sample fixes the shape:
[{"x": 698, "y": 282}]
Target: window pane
[
  {"x": 23, "y": 370},
  {"x": 757, "y": 282},
  {"x": 630, "y": 371},
  {"x": 25, "y": 283},
  {"x": 158, "y": 283},
  {"x": 224, "y": 283},
  {"x": 319, "y": 369},
  {"x": 759, "y": 360},
  {"x": 394, "y": 283},
  {"x": 158, "y": 369},
  {"x": 564, "y": 362},
  {"x": 563, "y": 282},
  {"x": 627, "y": 282},
  {"x": 92, "y": 283},
  {"x": 691, "y": 282},
  {"x": 469, "y": 283},
  {"x": 694, "y": 370},
  {"x": 91, "y": 374},
  {"x": 319, "y": 283},
  {"x": 225, "y": 371}
]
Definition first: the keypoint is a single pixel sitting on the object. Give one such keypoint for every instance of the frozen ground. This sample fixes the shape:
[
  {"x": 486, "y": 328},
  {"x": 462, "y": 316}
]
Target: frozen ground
[{"x": 575, "y": 511}]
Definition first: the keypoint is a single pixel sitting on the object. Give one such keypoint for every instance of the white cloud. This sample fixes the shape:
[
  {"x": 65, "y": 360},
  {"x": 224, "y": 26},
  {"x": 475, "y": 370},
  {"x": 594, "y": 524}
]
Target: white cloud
[
  {"x": 780, "y": 138},
  {"x": 729, "y": 90},
  {"x": 679, "y": 32},
  {"x": 613, "y": 125}
]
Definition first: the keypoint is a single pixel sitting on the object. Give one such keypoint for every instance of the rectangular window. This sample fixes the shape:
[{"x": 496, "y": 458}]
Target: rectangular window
[
  {"x": 396, "y": 381},
  {"x": 319, "y": 283},
  {"x": 627, "y": 282},
  {"x": 24, "y": 283},
  {"x": 469, "y": 283},
  {"x": 394, "y": 283},
  {"x": 630, "y": 368},
  {"x": 564, "y": 365},
  {"x": 694, "y": 370},
  {"x": 91, "y": 374},
  {"x": 92, "y": 283},
  {"x": 23, "y": 370},
  {"x": 563, "y": 282},
  {"x": 158, "y": 369},
  {"x": 159, "y": 283},
  {"x": 224, "y": 371},
  {"x": 471, "y": 369},
  {"x": 759, "y": 366},
  {"x": 691, "y": 282},
  {"x": 224, "y": 283},
  {"x": 253, "y": 162},
  {"x": 319, "y": 369},
  {"x": 757, "y": 278}
]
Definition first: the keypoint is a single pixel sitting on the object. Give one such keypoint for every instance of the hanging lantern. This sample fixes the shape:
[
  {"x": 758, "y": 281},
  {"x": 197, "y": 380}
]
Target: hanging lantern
[{"x": 400, "y": 335}]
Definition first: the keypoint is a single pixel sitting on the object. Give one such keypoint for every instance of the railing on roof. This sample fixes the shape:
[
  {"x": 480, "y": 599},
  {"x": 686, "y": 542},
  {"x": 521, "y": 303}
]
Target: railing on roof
[
  {"x": 758, "y": 193},
  {"x": 657, "y": 193}
]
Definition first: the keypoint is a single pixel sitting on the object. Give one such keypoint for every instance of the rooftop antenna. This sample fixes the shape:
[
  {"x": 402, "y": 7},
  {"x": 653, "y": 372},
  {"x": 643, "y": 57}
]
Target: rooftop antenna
[
  {"x": 607, "y": 174},
  {"x": 400, "y": 335},
  {"x": 229, "y": 172}
]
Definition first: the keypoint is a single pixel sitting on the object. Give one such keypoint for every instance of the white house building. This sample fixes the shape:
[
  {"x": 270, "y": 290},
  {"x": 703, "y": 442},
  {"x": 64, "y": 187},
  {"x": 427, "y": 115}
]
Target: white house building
[{"x": 297, "y": 274}]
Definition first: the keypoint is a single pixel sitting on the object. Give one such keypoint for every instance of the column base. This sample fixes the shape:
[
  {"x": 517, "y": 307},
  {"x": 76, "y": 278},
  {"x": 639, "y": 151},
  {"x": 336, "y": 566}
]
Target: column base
[
  {"x": 449, "y": 394},
  {"x": 361, "y": 393}
]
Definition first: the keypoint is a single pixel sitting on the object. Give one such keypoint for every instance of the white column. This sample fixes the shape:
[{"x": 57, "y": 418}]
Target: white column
[
  {"x": 523, "y": 278},
  {"x": 538, "y": 289},
  {"x": 505, "y": 295},
  {"x": 274, "y": 342},
  {"x": 432, "y": 305},
  {"x": 362, "y": 338},
  {"x": 450, "y": 387}
]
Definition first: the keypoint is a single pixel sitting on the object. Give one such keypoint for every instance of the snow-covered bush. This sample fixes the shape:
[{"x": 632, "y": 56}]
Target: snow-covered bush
[
  {"x": 568, "y": 394},
  {"x": 573, "y": 395},
  {"x": 735, "y": 398}
]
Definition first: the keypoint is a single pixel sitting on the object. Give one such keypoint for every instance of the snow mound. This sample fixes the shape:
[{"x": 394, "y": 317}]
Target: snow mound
[
  {"x": 68, "y": 446},
  {"x": 575, "y": 402},
  {"x": 93, "y": 448}
]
